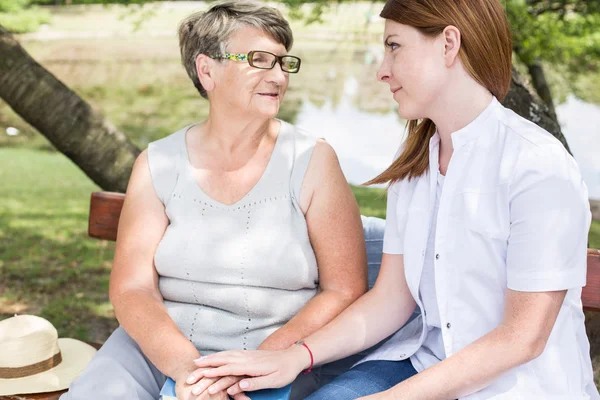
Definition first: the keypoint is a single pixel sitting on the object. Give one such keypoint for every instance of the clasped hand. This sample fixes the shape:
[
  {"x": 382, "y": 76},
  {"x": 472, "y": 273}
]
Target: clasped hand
[{"x": 248, "y": 370}]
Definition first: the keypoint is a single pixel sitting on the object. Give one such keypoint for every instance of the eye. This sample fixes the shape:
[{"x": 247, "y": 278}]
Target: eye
[{"x": 393, "y": 46}]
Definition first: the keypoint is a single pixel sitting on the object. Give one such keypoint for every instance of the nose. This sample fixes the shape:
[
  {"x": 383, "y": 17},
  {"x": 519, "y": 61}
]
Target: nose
[
  {"x": 383, "y": 73},
  {"x": 276, "y": 75}
]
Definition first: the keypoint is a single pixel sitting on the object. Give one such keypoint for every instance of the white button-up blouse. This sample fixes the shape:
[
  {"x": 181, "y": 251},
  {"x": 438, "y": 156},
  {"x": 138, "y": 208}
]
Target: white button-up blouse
[{"x": 514, "y": 213}]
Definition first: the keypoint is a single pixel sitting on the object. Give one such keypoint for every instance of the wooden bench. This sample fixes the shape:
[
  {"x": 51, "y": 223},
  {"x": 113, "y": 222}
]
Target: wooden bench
[{"x": 105, "y": 210}]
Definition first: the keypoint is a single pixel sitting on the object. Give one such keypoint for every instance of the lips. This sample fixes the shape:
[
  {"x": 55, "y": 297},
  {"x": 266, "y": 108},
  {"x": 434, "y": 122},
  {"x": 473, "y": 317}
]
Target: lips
[{"x": 394, "y": 90}]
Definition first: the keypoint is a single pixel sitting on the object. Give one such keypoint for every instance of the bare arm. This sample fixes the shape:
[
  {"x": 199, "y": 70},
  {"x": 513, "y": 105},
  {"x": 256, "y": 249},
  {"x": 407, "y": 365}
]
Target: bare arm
[
  {"x": 373, "y": 317},
  {"x": 521, "y": 337},
  {"x": 336, "y": 235},
  {"x": 134, "y": 281}
]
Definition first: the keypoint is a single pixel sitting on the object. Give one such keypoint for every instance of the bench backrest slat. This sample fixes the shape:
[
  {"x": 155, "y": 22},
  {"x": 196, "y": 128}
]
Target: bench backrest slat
[{"x": 105, "y": 209}]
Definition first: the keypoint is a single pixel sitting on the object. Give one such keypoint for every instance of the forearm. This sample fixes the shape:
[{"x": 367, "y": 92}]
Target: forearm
[
  {"x": 471, "y": 369},
  {"x": 321, "y": 309},
  {"x": 353, "y": 330},
  {"x": 145, "y": 319}
]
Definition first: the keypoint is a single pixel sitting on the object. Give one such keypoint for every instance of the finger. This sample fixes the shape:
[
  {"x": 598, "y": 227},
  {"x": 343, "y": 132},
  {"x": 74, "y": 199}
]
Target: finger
[
  {"x": 230, "y": 370},
  {"x": 258, "y": 383},
  {"x": 195, "y": 376},
  {"x": 217, "y": 359},
  {"x": 235, "y": 390},
  {"x": 201, "y": 386},
  {"x": 241, "y": 396},
  {"x": 223, "y": 384}
]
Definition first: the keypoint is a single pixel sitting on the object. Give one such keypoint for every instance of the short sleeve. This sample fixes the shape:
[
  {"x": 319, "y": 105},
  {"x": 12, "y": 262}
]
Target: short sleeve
[
  {"x": 393, "y": 238},
  {"x": 549, "y": 222}
]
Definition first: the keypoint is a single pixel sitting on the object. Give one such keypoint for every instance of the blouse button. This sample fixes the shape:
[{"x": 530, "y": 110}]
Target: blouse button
[
  {"x": 437, "y": 256},
  {"x": 448, "y": 325}
]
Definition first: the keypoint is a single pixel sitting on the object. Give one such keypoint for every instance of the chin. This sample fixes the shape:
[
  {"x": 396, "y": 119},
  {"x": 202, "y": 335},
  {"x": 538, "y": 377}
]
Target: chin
[
  {"x": 269, "y": 113},
  {"x": 409, "y": 113}
]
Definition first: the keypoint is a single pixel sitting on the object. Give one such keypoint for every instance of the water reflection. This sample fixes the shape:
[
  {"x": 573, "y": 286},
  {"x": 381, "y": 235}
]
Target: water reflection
[
  {"x": 580, "y": 122},
  {"x": 366, "y": 141}
]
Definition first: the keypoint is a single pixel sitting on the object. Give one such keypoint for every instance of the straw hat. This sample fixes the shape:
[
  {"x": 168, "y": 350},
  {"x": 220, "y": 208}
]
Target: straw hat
[{"x": 33, "y": 359}]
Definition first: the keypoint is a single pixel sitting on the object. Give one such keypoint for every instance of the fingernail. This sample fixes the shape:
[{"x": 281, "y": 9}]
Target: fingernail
[
  {"x": 190, "y": 379},
  {"x": 200, "y": 358},
  {"x": 212, "y": 390},
  {"x": 196, "y": 390},
  {"x": 244, "y": 384}
]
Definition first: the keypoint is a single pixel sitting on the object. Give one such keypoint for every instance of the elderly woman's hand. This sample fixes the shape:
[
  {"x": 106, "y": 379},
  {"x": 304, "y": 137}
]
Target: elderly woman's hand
[
  {"x": 185, "y": 392},
  {"x": 203, "y": 387},
  {"x": 194, "y": 387},
  {"x": 260, "y": 369}
]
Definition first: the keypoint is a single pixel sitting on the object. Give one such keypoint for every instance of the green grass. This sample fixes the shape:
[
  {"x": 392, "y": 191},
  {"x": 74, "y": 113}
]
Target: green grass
[
  {"x": 48, "y": 265},
  {"x": 22, "y": 21}
]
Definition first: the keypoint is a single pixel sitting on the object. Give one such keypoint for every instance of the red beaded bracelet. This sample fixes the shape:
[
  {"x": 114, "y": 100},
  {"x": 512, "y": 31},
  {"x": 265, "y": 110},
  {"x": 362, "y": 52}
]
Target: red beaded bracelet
[{"x": 312, "y": 360}]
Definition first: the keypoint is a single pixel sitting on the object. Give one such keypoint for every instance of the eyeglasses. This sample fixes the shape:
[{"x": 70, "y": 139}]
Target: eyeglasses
[{"x": 265, "y": 60}]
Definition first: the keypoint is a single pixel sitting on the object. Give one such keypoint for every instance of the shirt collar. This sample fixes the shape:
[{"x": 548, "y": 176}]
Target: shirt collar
[{"x": 473, "y": 130}]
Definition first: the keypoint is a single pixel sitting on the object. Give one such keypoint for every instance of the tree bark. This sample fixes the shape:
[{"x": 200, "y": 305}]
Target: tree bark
[
  {"x": 72, "y": 126},
  {"x": 104, "y": 153},
  {"x": 538, "y": 80}
]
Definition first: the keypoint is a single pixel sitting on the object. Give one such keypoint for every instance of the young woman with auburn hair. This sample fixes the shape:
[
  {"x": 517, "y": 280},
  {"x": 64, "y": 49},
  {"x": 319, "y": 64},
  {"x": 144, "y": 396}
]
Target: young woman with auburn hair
[{"x": 486, "y": 236}]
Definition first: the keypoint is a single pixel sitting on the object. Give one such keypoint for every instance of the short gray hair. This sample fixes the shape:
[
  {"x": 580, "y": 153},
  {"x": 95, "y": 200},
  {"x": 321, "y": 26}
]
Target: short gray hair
[{"x": 209, "y": 32}]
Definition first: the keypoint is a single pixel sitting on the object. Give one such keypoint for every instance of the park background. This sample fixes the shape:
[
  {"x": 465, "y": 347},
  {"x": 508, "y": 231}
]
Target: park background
[{"x": 122, "y": 58}]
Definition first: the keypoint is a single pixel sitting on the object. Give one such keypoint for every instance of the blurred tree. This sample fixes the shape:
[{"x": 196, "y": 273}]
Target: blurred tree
[
  {"x": 102, "y": 151},
  {"x": 69, "y": 122},
  {"x": 560, "y": 32},
  {"x": 19, "y": 16}
]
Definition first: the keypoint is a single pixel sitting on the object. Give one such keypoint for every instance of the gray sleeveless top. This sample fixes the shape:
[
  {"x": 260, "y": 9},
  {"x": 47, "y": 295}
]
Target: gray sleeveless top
[{"x": 231, "y": 275}]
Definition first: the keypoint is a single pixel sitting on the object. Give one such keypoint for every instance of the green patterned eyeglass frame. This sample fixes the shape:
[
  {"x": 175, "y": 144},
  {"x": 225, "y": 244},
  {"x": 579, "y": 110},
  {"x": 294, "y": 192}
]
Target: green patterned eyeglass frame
[{"x": 282, "y": 60}]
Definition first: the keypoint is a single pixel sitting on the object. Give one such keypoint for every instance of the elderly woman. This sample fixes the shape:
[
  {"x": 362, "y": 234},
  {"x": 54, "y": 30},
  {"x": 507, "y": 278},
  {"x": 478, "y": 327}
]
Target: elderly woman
[{"x": 238, "y": 232}]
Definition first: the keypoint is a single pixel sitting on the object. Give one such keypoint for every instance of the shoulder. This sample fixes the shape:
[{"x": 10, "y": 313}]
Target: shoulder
[
  {"x": 526, "y": 133},
  {"x": 169, "y": 144},
  {"x": 162, "y": 160},
  {"x": 535, "y": 151},
  {"x": 310, "y": 152},
  {"x": 303, "y": 140},
  {"x": 324, "y": 155}
]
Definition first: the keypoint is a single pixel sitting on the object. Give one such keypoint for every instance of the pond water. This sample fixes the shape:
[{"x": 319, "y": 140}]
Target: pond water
[
  {"x": 367, "y": 141},
  {"x": 136, "y": 80}
]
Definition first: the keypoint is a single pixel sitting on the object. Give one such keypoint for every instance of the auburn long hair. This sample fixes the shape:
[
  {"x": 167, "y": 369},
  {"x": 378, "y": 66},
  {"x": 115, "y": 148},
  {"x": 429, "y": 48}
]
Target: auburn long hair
[{"x": 485, "y": 52}]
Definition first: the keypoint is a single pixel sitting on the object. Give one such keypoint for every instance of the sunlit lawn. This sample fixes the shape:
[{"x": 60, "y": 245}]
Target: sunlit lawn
[{"x": 48, "y": 265}]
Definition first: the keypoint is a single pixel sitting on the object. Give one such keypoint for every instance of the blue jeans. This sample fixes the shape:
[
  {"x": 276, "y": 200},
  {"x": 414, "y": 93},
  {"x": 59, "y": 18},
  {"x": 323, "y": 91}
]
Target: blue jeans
[{"x": 367, "y": 378}]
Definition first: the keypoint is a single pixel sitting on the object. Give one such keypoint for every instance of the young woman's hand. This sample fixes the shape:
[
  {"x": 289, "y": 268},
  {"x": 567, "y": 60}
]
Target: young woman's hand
[{"x": 263, "y": 369}]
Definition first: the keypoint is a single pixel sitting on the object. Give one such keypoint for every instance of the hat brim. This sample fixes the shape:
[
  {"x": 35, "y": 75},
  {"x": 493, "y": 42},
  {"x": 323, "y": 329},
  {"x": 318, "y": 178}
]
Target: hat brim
[{"x": 75, "y": 357}]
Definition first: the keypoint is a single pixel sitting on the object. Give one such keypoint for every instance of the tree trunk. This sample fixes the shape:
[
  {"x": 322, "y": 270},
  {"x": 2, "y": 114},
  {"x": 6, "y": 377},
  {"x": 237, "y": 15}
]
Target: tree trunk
[
  {"x": 58, "y": 113},
  {"x": 525, "y": 102},
  {"x": 104, "y": 153},
  {"x": 538, "y": 80}
]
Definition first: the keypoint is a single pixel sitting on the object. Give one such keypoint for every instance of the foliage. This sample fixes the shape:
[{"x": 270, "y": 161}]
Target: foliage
[
  {"x": 70, "y": 2},
  {"x": 17, "y": 16},
  {"x": 24, "y": 21},
  {"x": 563, "y": 32},
  {"x": 7, "y": 6}
]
